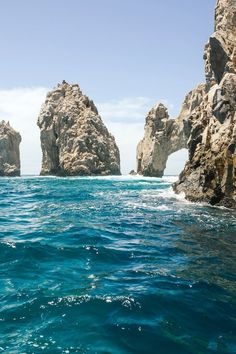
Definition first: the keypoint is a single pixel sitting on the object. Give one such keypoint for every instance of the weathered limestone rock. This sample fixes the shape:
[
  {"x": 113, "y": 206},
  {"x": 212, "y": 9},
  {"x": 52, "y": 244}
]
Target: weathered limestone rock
[
  {"x": 162, "y": 137},
  {"x": 9, "y": 150},
  {"x": 210, "y": 173},
  {"x": 206, "y": 125},
  {"x": 74, "y": 139}
]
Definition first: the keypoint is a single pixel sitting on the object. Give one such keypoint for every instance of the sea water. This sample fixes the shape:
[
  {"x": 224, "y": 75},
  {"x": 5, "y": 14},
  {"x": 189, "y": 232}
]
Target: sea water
[{"x": 114, "y": 265}]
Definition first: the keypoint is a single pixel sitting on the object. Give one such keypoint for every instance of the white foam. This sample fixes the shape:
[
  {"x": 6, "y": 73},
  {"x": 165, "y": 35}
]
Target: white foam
[
  {"x": 165, "y": 179},
  {"x": 163, "y": 207},
  {"x": 170, "y": 179},
  {"x": 125, "y": 178}
]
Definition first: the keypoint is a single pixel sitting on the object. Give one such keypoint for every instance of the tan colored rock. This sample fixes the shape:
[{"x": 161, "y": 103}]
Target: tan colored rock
[
  {"x": 162, "y": 137},
  {"x": 74, "y": 139},
  {"x": 210, "y": 173},
  {"x": 206, "y": 125},
  {"x": 9, "y": 150},
  {"x": 220, "y": 52}
]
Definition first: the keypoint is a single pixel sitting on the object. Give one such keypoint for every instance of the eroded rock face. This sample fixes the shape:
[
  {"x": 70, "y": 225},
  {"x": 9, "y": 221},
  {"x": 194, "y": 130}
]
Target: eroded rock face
[
  {"x": 9, "y": 150},
  {"x": 206, "y": 125},
  {"x": 220, "y": 53},
  {"x": 74, "y": 139},
  {"x": 210, "y": 173},
  {"x": 162, "y": 137}
]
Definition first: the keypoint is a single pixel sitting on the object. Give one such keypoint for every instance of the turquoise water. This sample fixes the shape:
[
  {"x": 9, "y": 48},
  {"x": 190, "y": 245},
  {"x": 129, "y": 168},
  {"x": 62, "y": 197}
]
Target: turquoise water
[{"x": 114, "y": 265}]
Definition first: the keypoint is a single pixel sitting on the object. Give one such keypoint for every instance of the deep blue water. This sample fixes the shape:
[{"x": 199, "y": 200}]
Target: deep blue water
[{"x": 114, "y": 265}]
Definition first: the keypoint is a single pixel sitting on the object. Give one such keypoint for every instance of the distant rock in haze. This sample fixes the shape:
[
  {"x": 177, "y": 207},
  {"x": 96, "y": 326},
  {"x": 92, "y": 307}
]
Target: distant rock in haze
[
  {"x": 9, "y": 150},
  {"x": 133, "y": 173},
  {"x": 208, "y": 121},
  {"x": 74, "y": 139}
]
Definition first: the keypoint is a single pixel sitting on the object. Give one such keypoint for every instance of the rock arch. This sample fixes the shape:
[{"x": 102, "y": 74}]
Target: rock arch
[
  {"x": 176, "y": 162},
  {"x": 207, "y": 124},
  {"x": 164, "y": 136}
]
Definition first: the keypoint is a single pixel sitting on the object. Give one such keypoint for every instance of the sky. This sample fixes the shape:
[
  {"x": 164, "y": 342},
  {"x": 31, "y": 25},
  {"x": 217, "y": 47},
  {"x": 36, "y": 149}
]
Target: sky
[{"x": 126, "y": 55}]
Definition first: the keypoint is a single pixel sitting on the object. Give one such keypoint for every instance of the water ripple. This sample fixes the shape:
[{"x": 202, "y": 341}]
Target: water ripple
[{"x": 114, "y": 265}]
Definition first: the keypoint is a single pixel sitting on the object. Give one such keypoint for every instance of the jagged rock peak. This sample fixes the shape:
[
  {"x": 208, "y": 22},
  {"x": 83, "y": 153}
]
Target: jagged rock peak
[
  {"x": 210, "y": 173},
  {"x": 162, "y": 137},
  {"x": 9, "y": 150},
  {"x": 158, "y": 112},
  {"x": 206, "y": 124},
  {"x": 156, "y": 118},
  {"x": 225, "y": 15},
  {"x": 220, "y": 52},
  {"x": 74, "y": 139}
]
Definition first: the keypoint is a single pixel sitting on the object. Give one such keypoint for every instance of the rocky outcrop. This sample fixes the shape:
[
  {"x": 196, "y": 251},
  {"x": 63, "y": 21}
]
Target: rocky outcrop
[
  {"x": 133, "y": 173},
  {"x": 210, "y": 173},
  {"x": 9, "y": 150},
  {"x": 74, "y": 139},
  {"x": 162, "y": 137},
  {"x": 207, "y": 123}
]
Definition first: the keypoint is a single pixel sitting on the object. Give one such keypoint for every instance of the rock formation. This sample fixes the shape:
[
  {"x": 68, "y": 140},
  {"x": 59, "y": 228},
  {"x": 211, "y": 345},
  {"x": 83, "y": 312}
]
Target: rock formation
[
  {"x": 74, "y": 139},
  {"x": 210, "y": 120},
  {"x": 9, "y": 150},
  {"x": 133, "y": 173},
  {"x": 162, "y": 137},
  {"x": 210, "y": 173}
]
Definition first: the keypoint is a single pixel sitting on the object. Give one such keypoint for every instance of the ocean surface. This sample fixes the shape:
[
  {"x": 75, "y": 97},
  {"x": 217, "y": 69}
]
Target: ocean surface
[{"x": 114, "y": 265}]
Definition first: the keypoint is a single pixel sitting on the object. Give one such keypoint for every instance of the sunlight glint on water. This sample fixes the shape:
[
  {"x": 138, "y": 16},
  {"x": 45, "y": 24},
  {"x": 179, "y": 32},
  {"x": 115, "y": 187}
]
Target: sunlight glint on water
[{"x": 114, "y": 265}]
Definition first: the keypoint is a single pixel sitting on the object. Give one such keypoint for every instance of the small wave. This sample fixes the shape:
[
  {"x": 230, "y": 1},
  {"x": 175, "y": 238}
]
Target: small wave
[
  {"x": 169, "y": 193},
  {"x": 163, "y": 207},
  {"x": 125, "y": 178},
  {"x": 168, "y": 179},
  {"x": 70, "y": 300},
  {"x": 87, "y": 260}
]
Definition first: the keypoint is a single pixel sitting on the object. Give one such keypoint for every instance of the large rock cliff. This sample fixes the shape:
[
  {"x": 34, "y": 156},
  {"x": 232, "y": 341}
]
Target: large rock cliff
[
  {"x": 74, "y": 139},
  {"x": 9, "y": 150},
  {"x": 208, "y": 120},
  {"x": 210, "y": 173}
]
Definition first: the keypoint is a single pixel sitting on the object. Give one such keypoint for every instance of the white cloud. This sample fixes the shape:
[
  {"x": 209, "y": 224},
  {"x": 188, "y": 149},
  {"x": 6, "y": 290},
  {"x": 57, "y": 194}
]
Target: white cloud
[
  {"x": 124, "y": 118},
  {"x": 132, "y": 109},
  {"x": 127, "y": 137},
  {"x": 129, "y": 109}
]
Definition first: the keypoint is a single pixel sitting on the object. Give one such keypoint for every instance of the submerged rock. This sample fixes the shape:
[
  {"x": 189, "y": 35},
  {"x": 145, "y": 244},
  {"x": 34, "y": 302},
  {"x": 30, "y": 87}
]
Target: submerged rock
[
  {"x": 206, "y": 125},
  {"x": 9, "y": 150},
  {"x": 74, "y": 139}
]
